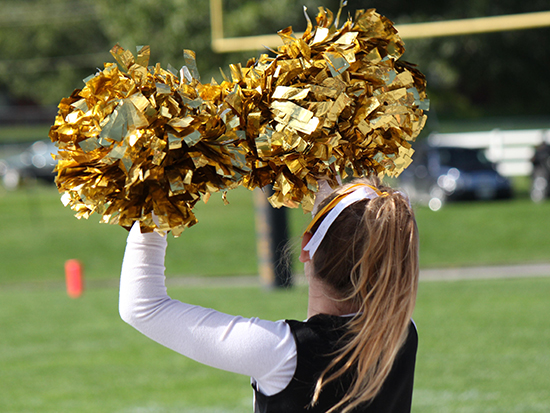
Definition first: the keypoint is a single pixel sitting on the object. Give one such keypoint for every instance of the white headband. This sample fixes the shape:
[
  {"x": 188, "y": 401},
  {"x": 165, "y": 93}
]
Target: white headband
[{"x": 362, "y": 192}]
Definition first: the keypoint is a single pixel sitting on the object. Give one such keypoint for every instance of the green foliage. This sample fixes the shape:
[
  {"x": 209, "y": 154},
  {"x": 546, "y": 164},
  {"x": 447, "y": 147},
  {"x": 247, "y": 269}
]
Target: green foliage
[
  {"x": 479, "y": 75},
  {"x": 483, "y": 348},
  {"x": 48, "y": 47},
  {"x": 59, "y": 43},
  {"x": 184, "y": 24}
]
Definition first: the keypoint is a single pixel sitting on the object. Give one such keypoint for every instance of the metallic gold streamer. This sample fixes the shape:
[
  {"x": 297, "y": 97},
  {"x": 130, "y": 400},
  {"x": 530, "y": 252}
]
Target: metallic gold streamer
[{"x": 139, "y": 141}]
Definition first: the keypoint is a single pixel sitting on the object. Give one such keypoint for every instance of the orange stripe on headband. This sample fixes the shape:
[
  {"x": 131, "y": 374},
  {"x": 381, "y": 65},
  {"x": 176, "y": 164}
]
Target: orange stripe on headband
[{"x": 326, "y": 209}]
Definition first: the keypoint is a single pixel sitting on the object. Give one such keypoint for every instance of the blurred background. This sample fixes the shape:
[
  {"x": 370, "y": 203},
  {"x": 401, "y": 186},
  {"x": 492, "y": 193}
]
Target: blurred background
[{"x": 479, "y": 183}]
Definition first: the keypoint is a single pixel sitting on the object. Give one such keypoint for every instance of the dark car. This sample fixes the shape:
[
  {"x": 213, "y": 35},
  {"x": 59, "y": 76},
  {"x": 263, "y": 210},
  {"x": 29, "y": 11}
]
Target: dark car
[
  {"x": 540, "y": 177},
  {"x": 442, "y": 173},
  {"x": 33, "y": 163}
]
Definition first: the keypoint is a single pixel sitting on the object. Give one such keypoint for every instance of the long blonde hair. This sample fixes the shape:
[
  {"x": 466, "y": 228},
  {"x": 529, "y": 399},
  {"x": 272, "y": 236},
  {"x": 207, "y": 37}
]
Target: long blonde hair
[{"x": 369, "y": 258}]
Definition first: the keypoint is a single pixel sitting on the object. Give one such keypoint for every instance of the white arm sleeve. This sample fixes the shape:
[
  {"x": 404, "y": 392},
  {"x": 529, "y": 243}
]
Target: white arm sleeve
[{"x": 264, "y": 350}]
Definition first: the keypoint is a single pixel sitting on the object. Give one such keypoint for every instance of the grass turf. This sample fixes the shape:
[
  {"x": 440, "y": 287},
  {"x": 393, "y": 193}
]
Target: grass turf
[
  {"x": 483, "y": 348},
  {"x": 483, "y": 343},
  {"x": 39, "y": 235}
]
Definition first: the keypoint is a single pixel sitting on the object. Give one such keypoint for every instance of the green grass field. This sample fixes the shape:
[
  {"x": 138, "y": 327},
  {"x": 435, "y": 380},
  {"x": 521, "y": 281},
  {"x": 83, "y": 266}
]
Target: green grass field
[
  {"x": 484, "y": 343},
  {"x": 483, "y": 348},
  {"x": 39, "y": 235}
]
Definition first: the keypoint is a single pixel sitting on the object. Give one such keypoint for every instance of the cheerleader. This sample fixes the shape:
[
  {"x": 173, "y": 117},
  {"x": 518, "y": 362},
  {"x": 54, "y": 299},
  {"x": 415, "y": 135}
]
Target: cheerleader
[{"x": 355, "y": 352}]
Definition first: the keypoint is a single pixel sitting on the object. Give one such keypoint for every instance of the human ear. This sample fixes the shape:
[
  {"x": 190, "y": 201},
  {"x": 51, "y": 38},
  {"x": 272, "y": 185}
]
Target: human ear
[{"x": 304, "y": 255}]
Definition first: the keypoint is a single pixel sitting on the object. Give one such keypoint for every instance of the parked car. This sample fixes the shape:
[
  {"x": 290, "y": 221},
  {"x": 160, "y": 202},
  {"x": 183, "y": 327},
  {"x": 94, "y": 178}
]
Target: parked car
[
  {"x": 540, "y": 177},
  {"x": 440, "y": 174},
  {"x": 33, "y": 163}
]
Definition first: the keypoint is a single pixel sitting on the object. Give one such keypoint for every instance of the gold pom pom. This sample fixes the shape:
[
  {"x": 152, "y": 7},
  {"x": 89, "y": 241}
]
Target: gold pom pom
[
  {"x": 140, "y": 141},
  {"x": 137, "y": 141},
  {"x": 336, "y": 100}
]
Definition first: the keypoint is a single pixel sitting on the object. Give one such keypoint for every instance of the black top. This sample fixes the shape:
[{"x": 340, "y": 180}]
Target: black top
[{"x": 316, "y": 339}]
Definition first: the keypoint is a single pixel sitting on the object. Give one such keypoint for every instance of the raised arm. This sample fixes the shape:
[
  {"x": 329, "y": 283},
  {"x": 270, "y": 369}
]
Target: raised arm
[{"x": 264, "y": 350}]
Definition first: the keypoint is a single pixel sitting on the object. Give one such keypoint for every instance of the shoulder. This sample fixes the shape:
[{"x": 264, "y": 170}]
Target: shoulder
[{"x": 321, "y": 333}]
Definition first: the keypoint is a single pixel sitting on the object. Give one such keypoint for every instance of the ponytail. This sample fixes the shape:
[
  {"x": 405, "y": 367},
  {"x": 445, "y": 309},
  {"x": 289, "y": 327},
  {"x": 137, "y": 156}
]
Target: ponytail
[{"x": 369, "y": 258}]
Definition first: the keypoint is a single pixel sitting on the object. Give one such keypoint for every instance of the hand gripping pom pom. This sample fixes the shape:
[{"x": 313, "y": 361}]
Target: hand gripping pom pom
[{"x": 139, "y": 140}]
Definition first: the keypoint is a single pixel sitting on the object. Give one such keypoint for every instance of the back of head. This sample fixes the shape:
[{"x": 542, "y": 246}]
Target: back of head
[{"x": 369, "y": 259}]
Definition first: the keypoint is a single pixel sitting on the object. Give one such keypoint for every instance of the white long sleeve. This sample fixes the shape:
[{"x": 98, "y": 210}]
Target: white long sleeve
[{"x": 263, "y": 350}]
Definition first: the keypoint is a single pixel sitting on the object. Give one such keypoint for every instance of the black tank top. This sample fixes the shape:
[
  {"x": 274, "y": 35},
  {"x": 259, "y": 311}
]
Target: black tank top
[{"x": 316, "y": 339}]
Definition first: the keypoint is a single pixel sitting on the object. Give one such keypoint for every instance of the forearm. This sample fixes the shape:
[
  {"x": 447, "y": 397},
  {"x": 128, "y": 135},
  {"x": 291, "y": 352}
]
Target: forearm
[
  {"x": 259, "y": 348},
  {"x": 142, "y": 288},
  {"x": 144, "y": 302}
]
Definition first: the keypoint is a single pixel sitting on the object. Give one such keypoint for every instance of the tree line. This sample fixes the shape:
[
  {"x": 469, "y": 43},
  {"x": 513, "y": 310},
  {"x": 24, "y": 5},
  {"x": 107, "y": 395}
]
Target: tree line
[{"x": 48, "y": 47}]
